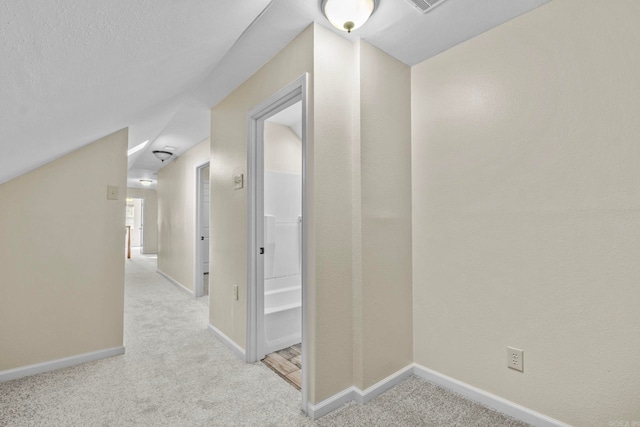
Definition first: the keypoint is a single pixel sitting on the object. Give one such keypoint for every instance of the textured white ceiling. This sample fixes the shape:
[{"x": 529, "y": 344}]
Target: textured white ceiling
[{"x": 72, "y": 71}]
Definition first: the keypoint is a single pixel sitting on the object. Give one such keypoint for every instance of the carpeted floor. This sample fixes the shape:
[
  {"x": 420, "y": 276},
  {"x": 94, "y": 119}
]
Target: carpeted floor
[{"x": 175, "y": 373}]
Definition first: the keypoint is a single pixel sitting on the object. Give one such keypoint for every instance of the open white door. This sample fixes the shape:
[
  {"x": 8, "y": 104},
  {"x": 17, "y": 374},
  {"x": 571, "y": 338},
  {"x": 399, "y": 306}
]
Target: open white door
[{"x": 201, "y": 276}]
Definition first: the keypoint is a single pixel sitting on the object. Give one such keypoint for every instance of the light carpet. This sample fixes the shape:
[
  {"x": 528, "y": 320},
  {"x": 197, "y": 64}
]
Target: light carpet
[{"x": 176, "y": 373}]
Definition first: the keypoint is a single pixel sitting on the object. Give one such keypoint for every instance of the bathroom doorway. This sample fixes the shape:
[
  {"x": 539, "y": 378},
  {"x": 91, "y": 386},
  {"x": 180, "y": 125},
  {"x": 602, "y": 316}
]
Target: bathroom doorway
[
  {"x": 282, "y": 259},
  {"x": 277, "y": 234}
]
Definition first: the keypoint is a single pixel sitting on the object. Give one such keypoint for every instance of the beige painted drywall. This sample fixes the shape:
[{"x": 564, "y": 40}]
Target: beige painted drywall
[
  {"x": 150, "y": 196},
  {"x": 62, "y": 256},
  {"x": 331, "y": 214},
  {"x": 383, "y": 340},
  {"x": 229, "y": 206},
  {"x": 282, "y": 149},
  {"x": 526, "y": 202},
  {"x": 352, "y": 292},
  {"x": 328, "y": 281},
  {"x": 177, "y": 215}
]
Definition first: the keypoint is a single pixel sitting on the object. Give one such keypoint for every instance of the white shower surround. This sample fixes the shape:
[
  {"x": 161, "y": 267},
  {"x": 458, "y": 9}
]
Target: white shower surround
[{"x": 282, "y": 262}]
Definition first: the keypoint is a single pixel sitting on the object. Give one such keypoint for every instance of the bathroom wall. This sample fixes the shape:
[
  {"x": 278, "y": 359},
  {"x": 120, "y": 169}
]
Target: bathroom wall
[
  {"x": 283, "y": 149},
  {"x": 177, "y": 215},
  {"x": 62, "y": 256},
  {"x": 282, "y": 204},
  {"x": 150, "y": 213},
  {"x": 526, "y": 194}
]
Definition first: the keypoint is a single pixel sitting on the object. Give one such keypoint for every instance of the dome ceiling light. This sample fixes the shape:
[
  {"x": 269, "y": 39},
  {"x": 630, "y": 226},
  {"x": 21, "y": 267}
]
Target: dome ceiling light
[
  {"x": 162, "y": 155},
  {"x": 347, "y": 15}
]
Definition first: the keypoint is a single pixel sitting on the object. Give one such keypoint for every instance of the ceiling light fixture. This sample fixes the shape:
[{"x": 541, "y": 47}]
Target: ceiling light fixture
[
  {"x": 146, "y": 182},
  {"x": 162, "y": 155},
  {"x": 347, "y": 15},
  {"x": 137, "y": 148}
]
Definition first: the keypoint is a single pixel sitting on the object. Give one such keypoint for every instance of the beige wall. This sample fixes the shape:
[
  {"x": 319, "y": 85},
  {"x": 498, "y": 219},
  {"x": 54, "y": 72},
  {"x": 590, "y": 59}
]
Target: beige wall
[
  {"x": 282, "y": 149},
  {"x": 62, "y": 257},
  {"x": 526, "y": 193},
  {"x": 374, "y": 307},
  {"x": 383, "y": 168},
  {"x": 150, "y": 196},
  {"x": 177, "y": 215},
  {"x": 331, "y": 187},
  {"x": 229, "y": 206}
]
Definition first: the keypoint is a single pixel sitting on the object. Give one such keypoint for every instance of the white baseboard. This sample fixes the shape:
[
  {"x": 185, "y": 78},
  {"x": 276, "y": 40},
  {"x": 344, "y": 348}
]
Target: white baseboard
[
  {"x": 26, "y": 371},
  {"x": 331, "y": 404},
  {"x": 487, "y": 399},
  {"x": 176, "y": 283},
  {"x": 381, "y": 386},
  {"x": 228, "y": 342},
  {"x": 354, "y": 393},
  {"x": 470, "y": 392}
]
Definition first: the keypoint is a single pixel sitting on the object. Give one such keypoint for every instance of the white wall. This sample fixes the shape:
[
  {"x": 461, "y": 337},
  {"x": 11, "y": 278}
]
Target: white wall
[
  {"x": 526, "y": 193},
  {"x": 150, "y": 213},
  {"x": 177, "y": 215},
  {"x": 62, "y": 257}
]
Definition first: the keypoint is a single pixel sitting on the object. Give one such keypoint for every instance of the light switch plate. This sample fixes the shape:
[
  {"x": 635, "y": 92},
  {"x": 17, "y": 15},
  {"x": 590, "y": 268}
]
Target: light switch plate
[
  {"x": 238, "y": 182},
  {"x": 112, "y": 192}
]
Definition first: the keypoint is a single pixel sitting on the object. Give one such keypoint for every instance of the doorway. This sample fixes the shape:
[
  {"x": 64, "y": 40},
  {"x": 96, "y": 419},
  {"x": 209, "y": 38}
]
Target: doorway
[
  {"x": 276, "y": 312},
  {"x": 135, "y": 224},
  {"x": 201, "y": 277}
]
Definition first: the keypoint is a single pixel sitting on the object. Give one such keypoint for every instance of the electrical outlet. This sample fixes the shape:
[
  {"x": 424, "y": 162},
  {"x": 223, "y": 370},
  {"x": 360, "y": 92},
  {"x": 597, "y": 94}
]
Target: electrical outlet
[
  {"x": 235, "y": 292},
  {"x": 515, "y": 359}
]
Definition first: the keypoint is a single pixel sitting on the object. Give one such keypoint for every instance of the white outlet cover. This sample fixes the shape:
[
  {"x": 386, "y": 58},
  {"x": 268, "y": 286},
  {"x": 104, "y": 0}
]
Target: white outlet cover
[{"x": 515, "y": 359}]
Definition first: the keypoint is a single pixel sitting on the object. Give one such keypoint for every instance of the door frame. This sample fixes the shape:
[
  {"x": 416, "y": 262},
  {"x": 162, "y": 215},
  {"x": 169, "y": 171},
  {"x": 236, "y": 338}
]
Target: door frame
[
  {"x": 198, "y": 286},
  {"x": 294, "y": 92}
]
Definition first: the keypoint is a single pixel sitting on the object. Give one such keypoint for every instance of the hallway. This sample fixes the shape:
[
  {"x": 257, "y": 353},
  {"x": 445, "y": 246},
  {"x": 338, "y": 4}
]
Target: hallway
[{"x": 176, "y": 373}]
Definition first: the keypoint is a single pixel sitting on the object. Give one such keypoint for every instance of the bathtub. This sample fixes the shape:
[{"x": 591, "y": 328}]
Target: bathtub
[{"x": 282, "y": 312}]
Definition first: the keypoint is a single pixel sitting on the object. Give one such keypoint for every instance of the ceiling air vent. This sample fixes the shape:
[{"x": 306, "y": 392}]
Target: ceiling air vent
[{"x": 425, "y": 6}]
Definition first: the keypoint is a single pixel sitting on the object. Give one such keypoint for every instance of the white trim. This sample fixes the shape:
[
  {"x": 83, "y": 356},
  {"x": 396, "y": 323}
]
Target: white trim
[
  {"x": 470, "y": 392},
  {"x": 26, "y": 371},
  {"x": 487, "y": 399},
  {"x": 198, "y": 286},
  {"x": 331, "y": 404},
  {"x": 176, "y": 283},
  {"x": 292, "y": 93},
  {"x": 355, "y": 394},
  {"x": 239, "y": 351},
  {"x": 383, "y": 385}
]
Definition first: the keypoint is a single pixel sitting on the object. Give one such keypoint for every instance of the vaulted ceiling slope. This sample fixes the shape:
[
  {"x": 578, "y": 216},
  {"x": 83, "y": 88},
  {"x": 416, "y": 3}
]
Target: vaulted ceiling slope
[{"x": 72, "y": 71}]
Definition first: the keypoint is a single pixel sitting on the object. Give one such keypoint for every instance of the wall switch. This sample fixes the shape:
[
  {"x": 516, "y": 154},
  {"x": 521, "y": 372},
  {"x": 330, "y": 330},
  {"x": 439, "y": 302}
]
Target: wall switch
[
  {"x": 515, "y": 359},
  {"x": 112, "y": 192},
  {"x": 238, "y": 182},
  {"x": 235, "y": 292}
]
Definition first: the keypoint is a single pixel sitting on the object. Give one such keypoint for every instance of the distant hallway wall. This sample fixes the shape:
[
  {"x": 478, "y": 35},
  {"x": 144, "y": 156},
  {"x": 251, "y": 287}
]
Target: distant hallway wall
[{"x": 177, "y": 215}]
